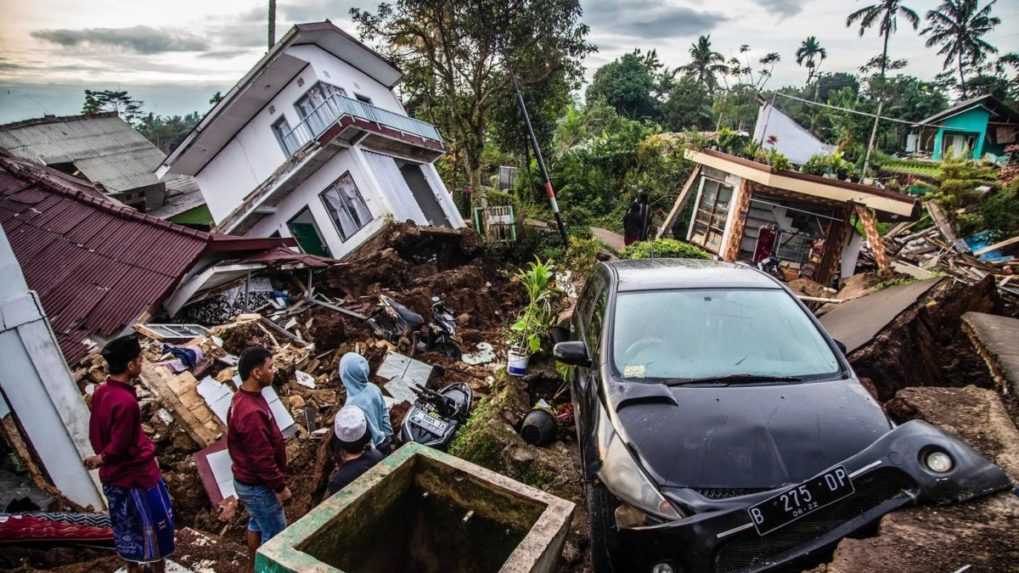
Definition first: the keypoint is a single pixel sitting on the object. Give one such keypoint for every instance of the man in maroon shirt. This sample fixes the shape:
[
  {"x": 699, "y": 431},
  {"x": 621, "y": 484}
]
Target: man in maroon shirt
[
  {"x": 140, "y": 510},
  {"x": 258, "y": 452}
]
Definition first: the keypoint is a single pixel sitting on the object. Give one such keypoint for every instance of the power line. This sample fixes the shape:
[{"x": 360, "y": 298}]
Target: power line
[{"x": 858, "y": 112}]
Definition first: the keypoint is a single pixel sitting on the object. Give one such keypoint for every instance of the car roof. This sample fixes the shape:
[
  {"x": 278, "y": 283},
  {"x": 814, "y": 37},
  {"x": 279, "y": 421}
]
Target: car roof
[{"x": 654, "y": 274}]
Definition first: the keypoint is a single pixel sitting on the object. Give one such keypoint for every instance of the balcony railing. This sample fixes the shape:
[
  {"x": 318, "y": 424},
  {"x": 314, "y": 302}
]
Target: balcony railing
[{"x": 336, "y": 106}]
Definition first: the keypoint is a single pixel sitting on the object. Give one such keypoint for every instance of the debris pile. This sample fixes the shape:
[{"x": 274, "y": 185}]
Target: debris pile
[{"x": 190, "y": 370}]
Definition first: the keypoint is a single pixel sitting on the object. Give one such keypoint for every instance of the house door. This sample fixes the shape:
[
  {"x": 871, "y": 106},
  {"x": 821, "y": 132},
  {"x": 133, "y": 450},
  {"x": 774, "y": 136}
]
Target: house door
[
  {"x": 304, "y": 229},
  {"x": 424, "y": 195}
]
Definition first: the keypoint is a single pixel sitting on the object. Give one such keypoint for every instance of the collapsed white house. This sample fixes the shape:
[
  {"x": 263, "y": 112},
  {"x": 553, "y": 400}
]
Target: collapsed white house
[{"x": 312, "y": 143}]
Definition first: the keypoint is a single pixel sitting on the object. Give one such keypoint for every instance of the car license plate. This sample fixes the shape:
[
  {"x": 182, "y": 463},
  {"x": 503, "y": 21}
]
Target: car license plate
[
  {"x": 431, "y": 423},
  {"x": 797, "y": 501}
]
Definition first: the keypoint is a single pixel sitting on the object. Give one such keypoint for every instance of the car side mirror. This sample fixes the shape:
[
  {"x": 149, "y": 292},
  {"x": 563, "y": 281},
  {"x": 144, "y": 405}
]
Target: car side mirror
[
  {"x": 573, "y": 352},
  {"x": 841, "y": 346}
]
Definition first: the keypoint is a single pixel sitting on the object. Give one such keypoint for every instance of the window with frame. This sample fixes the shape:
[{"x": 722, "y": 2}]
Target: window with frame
[
  {"x": 346, "y": 206},
  {"x": 281, "y": 129},
  {"x": 317, "y": 108},
  {"x": 711, "y": 214}
]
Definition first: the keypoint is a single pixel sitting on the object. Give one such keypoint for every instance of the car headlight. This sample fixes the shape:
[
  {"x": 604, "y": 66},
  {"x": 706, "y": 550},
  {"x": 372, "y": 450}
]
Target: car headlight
[
  {"x": 938, "y": 461},
  {"x": 621, "y": 475}
]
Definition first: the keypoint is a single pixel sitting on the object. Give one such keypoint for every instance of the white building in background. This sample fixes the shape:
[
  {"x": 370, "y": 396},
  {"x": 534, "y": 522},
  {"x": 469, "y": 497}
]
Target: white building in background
[
  {"x": 313, "y": 143},
  {"x": 776, "y": 130}
]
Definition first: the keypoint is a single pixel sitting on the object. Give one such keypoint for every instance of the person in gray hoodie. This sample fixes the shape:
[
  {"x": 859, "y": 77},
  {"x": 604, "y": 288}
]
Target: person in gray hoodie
[{"x": 367, "y": 396}]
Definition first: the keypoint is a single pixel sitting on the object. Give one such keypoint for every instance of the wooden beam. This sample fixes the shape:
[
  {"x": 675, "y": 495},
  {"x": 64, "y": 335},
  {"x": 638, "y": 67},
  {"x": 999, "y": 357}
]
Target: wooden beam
[
  {"x": 942, "y": 223},
  {"x": 869, "y": 221},
  {"x": 677, "y": 207},
  {"x": 996, "y": 246}
]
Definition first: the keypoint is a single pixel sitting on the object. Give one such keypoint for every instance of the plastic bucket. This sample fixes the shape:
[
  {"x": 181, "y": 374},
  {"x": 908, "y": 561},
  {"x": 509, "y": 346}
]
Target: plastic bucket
[{"x": 516, "y": 363}]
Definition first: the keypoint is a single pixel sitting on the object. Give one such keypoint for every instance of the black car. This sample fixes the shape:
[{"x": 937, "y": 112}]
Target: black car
[{"x": 721, "y": 429}]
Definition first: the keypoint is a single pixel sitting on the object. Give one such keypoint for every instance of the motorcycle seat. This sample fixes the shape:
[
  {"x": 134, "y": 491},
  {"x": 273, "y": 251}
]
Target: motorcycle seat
[{"x": 414, "y": 319}]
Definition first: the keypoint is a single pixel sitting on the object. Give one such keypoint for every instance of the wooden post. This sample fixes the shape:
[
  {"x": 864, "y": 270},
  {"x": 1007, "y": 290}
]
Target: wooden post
[
  {"x": 731, "y": 249},
  {"x": 677, "y": 207},
  {"x": 869, "y": 221}
]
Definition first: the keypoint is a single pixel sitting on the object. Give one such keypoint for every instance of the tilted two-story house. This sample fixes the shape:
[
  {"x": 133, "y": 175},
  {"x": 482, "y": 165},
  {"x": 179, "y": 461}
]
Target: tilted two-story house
[{"x": 313, "y": 143}]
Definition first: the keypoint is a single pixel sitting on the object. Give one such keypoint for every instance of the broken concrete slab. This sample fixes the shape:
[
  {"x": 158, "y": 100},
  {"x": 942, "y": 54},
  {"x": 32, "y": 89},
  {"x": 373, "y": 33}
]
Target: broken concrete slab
[
  {"x": 856, "y": 322},
  {"x": 996, "y": 339},
  {"x": 421, "y": 508}
]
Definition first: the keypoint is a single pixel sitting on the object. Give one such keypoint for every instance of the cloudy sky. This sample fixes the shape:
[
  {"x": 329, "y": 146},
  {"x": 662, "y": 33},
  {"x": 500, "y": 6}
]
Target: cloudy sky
[{"x": 175, "y": 55}]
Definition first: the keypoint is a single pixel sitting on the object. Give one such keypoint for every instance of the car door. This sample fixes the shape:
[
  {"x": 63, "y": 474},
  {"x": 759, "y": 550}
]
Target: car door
[{"x": 586, "y": 383}]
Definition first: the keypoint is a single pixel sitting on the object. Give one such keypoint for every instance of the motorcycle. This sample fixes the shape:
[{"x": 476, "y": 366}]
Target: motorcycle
[
  {"x": 436, "y": 416},
  {"x": 770, "y": 265},
  {"x": 407, "y": 329}
]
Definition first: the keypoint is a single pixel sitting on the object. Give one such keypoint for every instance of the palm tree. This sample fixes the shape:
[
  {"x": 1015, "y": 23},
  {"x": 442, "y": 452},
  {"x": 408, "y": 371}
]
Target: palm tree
[
  {"x": 705, "y": 63},
  {"x": 887, "y": 11},
  {"x": 957, "y": 26},
  {"x": 811, "y": 52}
]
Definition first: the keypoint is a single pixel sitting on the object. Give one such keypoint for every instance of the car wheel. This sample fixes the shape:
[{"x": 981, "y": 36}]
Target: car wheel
[{"x": 603, "y": 527}]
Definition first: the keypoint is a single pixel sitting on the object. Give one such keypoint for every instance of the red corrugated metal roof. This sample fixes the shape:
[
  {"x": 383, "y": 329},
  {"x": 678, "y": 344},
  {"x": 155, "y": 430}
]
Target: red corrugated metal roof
[{"x": 96, "y": 264}]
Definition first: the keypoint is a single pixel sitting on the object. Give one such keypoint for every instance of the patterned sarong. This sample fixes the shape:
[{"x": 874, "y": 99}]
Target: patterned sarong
[{"x": 142, "y": 521}]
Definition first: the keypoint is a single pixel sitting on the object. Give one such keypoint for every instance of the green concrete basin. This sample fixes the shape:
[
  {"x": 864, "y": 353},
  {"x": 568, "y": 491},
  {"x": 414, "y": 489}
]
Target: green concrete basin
[{"x": 421, "y": 510}]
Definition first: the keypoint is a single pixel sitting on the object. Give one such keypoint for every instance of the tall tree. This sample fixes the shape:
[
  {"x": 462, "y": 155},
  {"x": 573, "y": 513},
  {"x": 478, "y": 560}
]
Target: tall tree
[
  {"x": 958, "y": 26},
  {"x": 96, "y": 101},
  {"x": 688, "y": 106},
  {"x": 458, "y": 57},
  {"x": 887, "y": 12},
  {"x": 632, "y": 84},
  {"x": 705, "y": 63},
  {"x": 811, "y": 55}
]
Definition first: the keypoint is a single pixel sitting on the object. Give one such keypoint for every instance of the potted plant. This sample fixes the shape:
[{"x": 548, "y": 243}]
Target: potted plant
[{"x": 532, "y": 324}]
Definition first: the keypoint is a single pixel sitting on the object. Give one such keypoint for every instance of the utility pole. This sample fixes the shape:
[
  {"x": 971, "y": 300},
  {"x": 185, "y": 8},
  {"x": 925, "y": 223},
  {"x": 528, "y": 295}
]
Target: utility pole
[
  {"x": 873, "y": 135},
  {"x": 549, "y": 190},
  {"x": 272, "y": 23}
]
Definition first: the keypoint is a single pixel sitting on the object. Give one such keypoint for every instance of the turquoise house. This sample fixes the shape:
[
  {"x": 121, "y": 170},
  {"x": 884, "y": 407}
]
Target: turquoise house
[{"x": 972, "y": 129}]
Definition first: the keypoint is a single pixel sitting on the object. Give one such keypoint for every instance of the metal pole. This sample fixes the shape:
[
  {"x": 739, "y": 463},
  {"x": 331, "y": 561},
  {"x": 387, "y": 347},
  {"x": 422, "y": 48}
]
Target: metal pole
[
  {"x": 549, "y": 190},
  {"x": 272, "y": 23},
  {"x": 873, "y": 135}
]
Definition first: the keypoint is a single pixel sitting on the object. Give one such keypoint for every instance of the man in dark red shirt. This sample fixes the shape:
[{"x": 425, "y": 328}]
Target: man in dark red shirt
[
  {"x": 140, "y": 511},
  {"x": 257, "y": 450}
]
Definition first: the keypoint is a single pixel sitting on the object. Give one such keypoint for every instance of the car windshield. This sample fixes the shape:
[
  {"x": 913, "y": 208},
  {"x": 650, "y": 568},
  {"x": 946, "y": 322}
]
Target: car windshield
[{"x": 708, "y": 334}]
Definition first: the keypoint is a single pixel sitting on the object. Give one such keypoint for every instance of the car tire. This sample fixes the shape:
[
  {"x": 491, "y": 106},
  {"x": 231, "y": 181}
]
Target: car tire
[{"x": 603, "y": 528}]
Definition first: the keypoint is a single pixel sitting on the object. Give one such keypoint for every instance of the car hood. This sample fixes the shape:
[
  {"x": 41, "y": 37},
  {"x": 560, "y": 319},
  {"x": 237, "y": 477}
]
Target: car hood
[{"x": 746, "y": 436}]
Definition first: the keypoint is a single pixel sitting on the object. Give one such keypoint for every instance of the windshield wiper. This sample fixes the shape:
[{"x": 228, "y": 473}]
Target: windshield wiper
[{"x": 733, "y": 379}]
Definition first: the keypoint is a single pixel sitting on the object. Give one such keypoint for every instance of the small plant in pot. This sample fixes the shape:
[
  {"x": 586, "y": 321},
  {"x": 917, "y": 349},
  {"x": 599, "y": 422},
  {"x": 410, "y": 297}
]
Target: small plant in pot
[{"x": 533, "y": 323}]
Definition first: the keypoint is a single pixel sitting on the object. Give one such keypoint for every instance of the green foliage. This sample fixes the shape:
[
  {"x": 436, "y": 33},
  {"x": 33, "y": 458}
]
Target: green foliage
[
  {"x": 457, "y": 59},
  {"x": 919, "y": 167},
  {"x": 582, "y": 255},
  {"x": 1000, "y": 212},
  {"x": 631, "y": 84},
  {"x": 732, "y": 142},
  {"x": 834, "y": 164},
  {"x": 688, "y": 106},
  {"x": 706, "y": 65},
  {"x": 663, "y": 249},
  {"x": 165, "y": 131},
  {"x": 97, "y": 101},
  {"x": 537, "y": 317},
  {"x": 956, "y": 189}
]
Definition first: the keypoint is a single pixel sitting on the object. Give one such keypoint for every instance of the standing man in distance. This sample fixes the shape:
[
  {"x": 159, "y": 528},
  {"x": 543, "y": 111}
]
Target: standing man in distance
[
  {"x": 257, "y": 451},
  {"x": 141, "y": 514}
]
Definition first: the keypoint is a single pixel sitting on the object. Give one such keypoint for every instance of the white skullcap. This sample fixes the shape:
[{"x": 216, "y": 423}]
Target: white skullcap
[{"x": 350, "y": 424}]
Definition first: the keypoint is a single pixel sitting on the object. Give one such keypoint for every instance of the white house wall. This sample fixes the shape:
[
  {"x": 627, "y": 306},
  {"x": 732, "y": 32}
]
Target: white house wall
[
  {"x": 328, "y": 68},
  {"x": 253, "y": 154},
  {"x": 394, "y": 187},
  {"x": 307, "y": 194},
  {"x": 445, "y": 199},
  {"x": 38, "y": 388}
]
